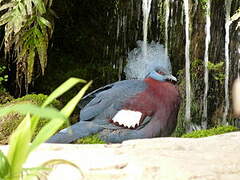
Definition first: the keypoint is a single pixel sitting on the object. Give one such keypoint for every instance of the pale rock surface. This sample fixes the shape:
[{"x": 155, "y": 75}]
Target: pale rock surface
[{"x": 211, "y": 158}]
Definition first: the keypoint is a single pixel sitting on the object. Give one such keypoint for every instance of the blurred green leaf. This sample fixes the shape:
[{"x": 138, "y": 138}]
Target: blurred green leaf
[
  {"x": 46, "y": 132},
  {"x": 62, "y": 89},
  {"x": 69, "y": 108},
  {"x": 47, "y": 112},
  {"x": 4, "y": 166},
  {"x": 19, "y": 147}
]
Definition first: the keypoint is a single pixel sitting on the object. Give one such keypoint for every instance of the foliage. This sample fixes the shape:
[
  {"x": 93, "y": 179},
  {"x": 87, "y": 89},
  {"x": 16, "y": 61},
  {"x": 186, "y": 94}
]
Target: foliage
[
  {"x": 217, "y": 71},
  {"x": 203, "y": 3},
  {"x": 93, "y": 139},
  {"x": 196, "y": 69},
  {"x": 210, "y": 132},
  {"x": 236, "y": 17},
  {"x": 28, "y": 27},
  {"x": 20, "y": 146},
  {"x": 3, "y": 77}
]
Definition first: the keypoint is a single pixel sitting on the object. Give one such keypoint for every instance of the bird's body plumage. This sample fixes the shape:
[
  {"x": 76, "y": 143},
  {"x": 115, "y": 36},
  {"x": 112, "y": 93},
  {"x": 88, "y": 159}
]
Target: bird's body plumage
[{"x": 157, "y": 103}]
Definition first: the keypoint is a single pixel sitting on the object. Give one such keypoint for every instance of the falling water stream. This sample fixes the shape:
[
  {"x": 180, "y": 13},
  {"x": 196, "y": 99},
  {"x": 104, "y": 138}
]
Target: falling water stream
[
  {"x": 206, "y": 73},
  {"x": 187, "y": 63},
  {"x": 146, "y": 6},
  {"x": 227, "y": 58},
  {"x": 167, "y": 12}
]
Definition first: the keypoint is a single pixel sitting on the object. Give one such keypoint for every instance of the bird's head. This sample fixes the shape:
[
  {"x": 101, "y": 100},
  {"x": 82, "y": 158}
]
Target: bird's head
[{"x": 162, "y": 74}]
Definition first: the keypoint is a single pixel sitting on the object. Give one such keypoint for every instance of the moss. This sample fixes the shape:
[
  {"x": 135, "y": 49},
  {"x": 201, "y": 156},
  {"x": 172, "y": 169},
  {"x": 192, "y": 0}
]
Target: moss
[
  {"x": 38, "y": 99},
  {"x": 210, "y": 132},
  {"x": 10, "y": 122},
  {"x": 93, "y": 139}
]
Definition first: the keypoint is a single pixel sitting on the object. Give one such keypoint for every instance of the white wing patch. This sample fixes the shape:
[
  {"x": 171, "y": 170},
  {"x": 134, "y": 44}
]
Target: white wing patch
[{"x": 127, "y": 118}]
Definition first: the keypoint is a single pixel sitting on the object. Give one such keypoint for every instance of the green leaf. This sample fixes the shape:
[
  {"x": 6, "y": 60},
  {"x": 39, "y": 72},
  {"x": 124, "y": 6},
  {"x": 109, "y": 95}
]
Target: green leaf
[
  {"x": 69, "y": 108},
  {"x": 19, "y": 147},
  {"x": 42, "y": 51},
  {"x": 4, "y": 165},
  {"x": 22, "y": 9},
  {"x": 8, "y": 5},
  {"x": 35, "y": 120},
  {"x": 62, "y": 89},
  {"x": 5, "y": 19},
  {"x": 30, "y": 64},
  {"x": 236, "y": 16},
  {"x": 39, "y": 6},
  {"x": 46, "y": 132},
  {"x": 44, "y": 22},
  {"x": 7, "y": 14},
  {"x": 28, "y": 4},
  {"x": 47, "y": 112},
  {"x": 24, "y": 36},
  {"x": 17, "y": 21},
  {"x": 50, "y": 3},
  {"x": 37, "y": 32}
]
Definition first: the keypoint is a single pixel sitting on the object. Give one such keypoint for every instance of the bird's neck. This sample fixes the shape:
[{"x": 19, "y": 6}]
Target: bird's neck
[
  {"x": 154, "y": 81},
  {"x": 162, "y": 88},
  {"x": 156, "y": 84}
]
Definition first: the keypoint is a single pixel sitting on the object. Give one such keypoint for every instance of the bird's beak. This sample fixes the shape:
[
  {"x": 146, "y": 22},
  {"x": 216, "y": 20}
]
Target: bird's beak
[{"x": 171, "y": 78}]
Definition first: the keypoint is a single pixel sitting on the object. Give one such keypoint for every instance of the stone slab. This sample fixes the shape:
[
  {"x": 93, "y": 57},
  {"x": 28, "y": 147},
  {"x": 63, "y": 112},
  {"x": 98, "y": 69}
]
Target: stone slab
[{"x": 211, "y": 158}]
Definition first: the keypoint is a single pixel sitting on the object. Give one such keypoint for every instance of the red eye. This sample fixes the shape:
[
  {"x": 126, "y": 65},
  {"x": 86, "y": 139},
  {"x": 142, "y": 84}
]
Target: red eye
[{"x": 160, "y": 72}]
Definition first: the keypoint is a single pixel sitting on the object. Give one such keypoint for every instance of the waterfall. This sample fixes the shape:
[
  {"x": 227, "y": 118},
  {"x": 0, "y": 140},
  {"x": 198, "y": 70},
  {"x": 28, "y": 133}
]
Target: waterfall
[
  {"x": 187, "y": 63},
  {"x": 227, "y": 59},
  {"x": 146, "y": 6},
  {"x": 167, "y": 4},
  {"x": 195, "y": 6},
  {"x": 207, "y": 41}
]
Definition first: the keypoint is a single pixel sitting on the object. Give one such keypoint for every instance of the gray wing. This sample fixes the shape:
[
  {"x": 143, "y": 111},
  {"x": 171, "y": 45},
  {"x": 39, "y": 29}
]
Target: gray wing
[{"x": 106, "y": 101}]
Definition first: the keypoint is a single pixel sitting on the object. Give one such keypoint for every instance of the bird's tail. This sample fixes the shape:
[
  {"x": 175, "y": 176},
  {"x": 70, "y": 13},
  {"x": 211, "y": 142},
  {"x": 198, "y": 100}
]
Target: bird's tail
[{"x": 76, "y": 131}]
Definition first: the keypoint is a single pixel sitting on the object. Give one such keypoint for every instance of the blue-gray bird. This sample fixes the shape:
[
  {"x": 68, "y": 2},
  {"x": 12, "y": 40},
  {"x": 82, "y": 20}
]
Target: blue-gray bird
[{"x": 129, "y": 109}]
